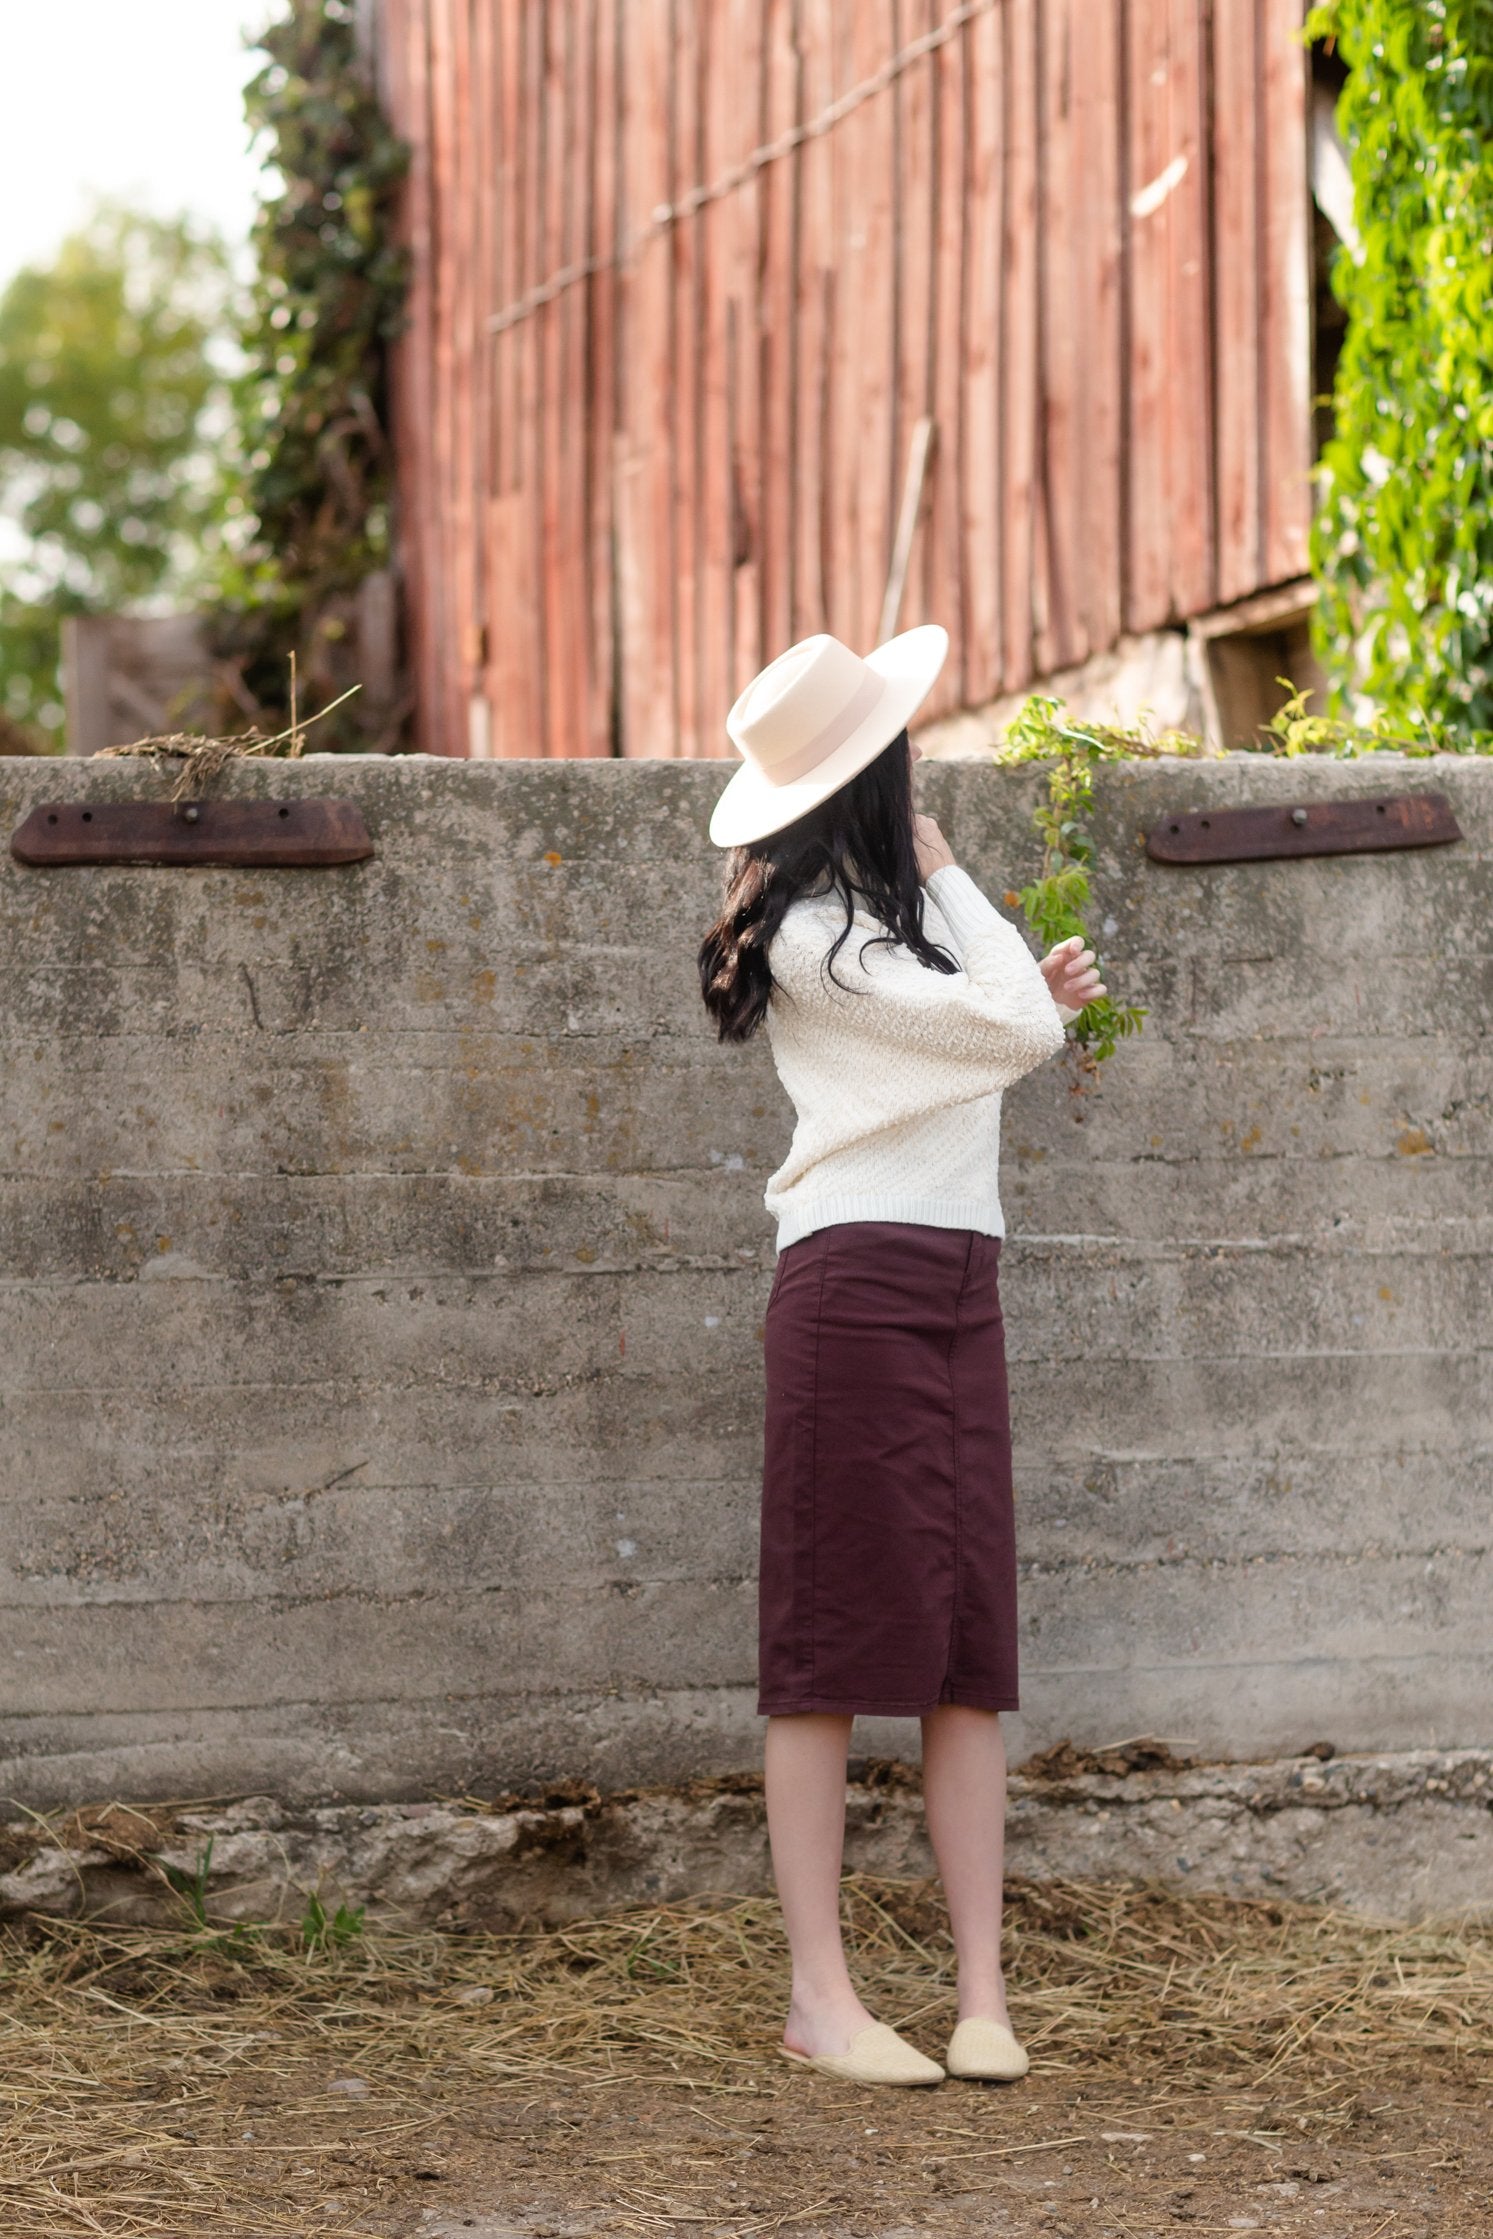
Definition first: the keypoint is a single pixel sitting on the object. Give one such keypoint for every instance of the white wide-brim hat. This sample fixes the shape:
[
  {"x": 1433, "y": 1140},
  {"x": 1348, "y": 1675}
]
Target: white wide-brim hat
[{"x": 814, "y": 718}]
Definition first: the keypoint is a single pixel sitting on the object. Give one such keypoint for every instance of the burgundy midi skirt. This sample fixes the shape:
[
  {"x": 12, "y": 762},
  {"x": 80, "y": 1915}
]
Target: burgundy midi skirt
[{"x": 887, "y": 1578}]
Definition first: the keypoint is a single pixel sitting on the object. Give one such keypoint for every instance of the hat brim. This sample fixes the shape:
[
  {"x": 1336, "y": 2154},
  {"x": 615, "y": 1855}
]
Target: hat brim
[{"x": 751, "y": 806}]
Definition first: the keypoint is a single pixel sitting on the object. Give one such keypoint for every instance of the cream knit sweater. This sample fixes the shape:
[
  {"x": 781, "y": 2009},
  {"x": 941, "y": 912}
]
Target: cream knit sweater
[{"x": 897, "y": 1085}]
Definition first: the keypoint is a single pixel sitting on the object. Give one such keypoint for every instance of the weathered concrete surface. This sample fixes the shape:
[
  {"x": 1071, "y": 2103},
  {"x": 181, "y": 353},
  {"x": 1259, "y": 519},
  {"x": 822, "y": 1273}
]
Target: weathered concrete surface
[
  {"x": 1402, "y": 1837},
  {"x": 384, "y": 1265}
]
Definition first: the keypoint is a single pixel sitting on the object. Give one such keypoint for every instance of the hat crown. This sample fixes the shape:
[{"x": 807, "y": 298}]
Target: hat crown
[
  {"x": 801, "y": 705},
  {"x": 813, "y": 719}
]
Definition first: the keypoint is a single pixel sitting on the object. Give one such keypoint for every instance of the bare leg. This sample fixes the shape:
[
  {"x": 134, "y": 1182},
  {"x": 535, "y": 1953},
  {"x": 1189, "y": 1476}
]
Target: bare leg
[
  {"x": 964, "y": 1802},
  {"x": 804, "y": 1776}
]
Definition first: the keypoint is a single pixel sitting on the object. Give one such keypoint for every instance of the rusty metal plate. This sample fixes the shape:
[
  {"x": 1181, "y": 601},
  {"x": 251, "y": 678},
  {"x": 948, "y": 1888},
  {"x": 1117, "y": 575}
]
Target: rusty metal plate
[
  {"x": 1304, "y": 828},
  {"x": 301, "y": 834}
]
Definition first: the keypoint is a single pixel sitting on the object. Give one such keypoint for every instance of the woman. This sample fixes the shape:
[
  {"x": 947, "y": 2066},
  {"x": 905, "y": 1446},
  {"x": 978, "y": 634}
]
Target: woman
[{"x": 899, "y": 1004}]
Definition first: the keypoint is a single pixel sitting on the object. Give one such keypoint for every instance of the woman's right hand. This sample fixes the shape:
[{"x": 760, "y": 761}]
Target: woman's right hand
[{"x": 932, "y": 849}]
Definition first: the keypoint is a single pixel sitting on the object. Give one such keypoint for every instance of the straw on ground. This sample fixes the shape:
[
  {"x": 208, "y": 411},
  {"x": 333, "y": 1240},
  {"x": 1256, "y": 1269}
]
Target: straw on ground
[{"x": 187, "y": 2081}]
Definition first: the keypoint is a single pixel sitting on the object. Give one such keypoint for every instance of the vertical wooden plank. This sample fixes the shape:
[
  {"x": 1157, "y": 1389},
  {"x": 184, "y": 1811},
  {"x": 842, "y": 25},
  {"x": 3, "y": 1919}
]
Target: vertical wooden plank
[
  {"x": 561, "y": 376},
  {"x": 533, "y": 337},
  {"x": 506, "y": 651},
  {"x": 815, "y": 308},
  {"x": 1019, "y": 327},
  {"x": 601, "y": 429},
  {"x": 1238, "y": 296},
  {"x": 518, "y": 713},
  {"x": 1285, "y": 324},
  {"x": 449, "y": 142},
  {"x": 1190, "y": 501},
  {"x": 949, "y": 218},
  {"x": 1149, "y": 398},
  {"x": 508, "y": 258},
  {"x": 545, "y": 154},
  {"x": 913, "y": 289},
  {"x": 538, "y": 330},
  {"x": 982, "y": 342},
  {"x": 841, "y": 465},
  {"x": 581, "y": 403},
  {"x": 686, "y": 295},
  {"x": 438, "y": 616},
  {"x": 550, "y": 157},
  {"x": 440, "y": 358},
  {"x": 781, "y": 183},
  {"x": 720, "y": 145},
  {"x": 1094, "y": 60},
  {"x": 868, "y": 467},
  {"x": 508, "y": 62},
  {"x": 743, "y": 220},
  {"x": 874, "y": 245},
  {"x": 1056, "y": 642},
  {"x": 645, "y": 523},
  {"x": 464, "y": 654},
  {"x": 410, "y": 370},
  {"x": 485, "y": 300}
]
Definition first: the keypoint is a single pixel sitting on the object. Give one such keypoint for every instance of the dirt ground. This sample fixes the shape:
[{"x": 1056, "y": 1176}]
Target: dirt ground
[
  {"x": 1197, "y": 2064},
  {"x": 821, "y": 2160}
]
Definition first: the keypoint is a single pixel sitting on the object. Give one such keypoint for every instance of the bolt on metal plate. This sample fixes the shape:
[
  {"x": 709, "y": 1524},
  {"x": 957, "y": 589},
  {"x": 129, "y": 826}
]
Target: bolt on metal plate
[
  {"x": 1257, "y": 835},
  {"x": 304, "y": 834}
]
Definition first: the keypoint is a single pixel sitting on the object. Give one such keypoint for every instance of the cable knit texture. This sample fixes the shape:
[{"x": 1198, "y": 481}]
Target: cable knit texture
[{"x": 896, "y": 1075}]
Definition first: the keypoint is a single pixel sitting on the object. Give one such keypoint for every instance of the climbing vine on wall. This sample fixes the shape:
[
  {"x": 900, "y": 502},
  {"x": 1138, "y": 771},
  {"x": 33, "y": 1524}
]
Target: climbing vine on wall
[
  {"x": 1403, "y": 540},
  {"x": 1056, "y": 904},
  {"x": 312, "y": 403}
]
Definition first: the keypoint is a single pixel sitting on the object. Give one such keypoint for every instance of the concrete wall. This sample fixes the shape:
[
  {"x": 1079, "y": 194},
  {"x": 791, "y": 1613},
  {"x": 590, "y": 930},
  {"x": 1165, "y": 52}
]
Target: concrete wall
[{"x": 384, "y": 1265}]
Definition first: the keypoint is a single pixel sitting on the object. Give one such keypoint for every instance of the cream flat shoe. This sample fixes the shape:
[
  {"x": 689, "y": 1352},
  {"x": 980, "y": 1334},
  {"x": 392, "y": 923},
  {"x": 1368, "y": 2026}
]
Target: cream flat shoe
[
  {"x": 875, "y": 2055},
  {"x": 986, "y": 2050}
]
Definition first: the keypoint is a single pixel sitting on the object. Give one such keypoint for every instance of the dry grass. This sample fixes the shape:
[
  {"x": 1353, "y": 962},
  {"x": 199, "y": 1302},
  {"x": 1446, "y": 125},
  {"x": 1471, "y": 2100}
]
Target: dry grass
[{"x": 206, "y": 2083}]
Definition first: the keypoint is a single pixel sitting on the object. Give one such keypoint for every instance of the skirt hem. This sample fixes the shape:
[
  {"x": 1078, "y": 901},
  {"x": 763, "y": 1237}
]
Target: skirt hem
[{"x": 862, "y": 1709}]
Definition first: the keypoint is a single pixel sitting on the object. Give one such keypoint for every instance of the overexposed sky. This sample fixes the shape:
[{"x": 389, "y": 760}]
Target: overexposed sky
[{"x": 138, "y": 99}]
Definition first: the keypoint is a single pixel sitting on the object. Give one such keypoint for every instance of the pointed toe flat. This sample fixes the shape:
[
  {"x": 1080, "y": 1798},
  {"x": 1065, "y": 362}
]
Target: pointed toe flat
[
  {"x": 875, "y": 2055},
  {"x": 985, "y": 2051}
]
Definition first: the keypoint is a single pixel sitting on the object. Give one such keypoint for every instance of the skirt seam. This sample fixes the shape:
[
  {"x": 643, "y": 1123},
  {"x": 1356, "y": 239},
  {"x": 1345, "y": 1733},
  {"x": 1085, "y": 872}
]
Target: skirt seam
[
  {"x": 814, "y": 1473},
  {"x": 949, "y": 1653}
]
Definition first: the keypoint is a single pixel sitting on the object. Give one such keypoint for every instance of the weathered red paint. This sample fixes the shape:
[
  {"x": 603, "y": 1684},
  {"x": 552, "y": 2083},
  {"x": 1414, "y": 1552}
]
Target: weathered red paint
[{"x": 1076, "y": 235}]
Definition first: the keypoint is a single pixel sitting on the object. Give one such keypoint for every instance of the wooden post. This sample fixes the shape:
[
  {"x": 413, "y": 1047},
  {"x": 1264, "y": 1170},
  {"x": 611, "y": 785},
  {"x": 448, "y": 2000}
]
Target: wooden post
[{"x": 918, "y": 454}]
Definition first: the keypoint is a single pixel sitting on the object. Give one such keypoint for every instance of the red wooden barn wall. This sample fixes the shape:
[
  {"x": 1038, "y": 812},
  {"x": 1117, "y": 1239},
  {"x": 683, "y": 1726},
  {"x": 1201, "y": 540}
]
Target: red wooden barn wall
[{"x": 1073, "y": 232}]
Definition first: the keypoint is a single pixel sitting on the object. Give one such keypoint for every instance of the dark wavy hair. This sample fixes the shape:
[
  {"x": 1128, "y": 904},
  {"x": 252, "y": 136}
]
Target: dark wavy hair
[{"x": 857, "y": 843}]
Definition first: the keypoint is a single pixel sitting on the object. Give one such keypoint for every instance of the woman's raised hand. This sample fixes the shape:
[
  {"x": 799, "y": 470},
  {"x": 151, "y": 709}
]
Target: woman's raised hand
[
  {"x": 1071, "y": 974},
  {"x": 933, "y": 850}
]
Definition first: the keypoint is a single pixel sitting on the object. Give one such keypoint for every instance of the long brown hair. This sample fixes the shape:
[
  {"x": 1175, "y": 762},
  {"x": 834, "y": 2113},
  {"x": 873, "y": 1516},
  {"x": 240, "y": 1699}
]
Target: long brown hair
[{"x": 858, "y": 842}]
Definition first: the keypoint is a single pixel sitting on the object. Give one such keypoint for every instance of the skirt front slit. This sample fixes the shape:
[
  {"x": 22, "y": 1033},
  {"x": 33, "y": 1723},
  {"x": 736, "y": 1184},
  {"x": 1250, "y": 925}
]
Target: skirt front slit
[{"x": 887, "y": 1575}]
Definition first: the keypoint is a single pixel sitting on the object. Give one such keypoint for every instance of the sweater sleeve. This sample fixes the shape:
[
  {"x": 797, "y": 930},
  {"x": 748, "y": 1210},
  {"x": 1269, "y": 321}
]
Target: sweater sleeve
[
  {"x": 977, "y": 1029},
  {"x": 967, "y": 910}
]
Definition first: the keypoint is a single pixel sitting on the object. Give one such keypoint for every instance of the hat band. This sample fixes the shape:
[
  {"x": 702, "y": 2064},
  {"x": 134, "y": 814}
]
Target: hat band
[{"x": 813, "y": 751}]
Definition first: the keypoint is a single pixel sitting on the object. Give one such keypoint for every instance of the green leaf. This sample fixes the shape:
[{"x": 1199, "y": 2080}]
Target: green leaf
[{"x": 1405, "y": 517}]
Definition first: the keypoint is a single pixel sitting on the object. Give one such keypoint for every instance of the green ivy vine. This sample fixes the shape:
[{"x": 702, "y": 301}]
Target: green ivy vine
[
  {"x": 312, "y": 401},
  {"x": 1055, "y": 904},
  {"x": 1403, "y": 537},
  {"x": 1402, "y": 541}
]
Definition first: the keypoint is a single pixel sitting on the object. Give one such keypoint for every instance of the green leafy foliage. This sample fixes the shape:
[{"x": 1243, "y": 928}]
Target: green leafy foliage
[
  {"x": 324, "y": 1931},
  {"x": 319, "y": 1931},
  {"x": 108, "y": 392},
  {"x": 1055, "y": 905},
  {"x": 312, "y": 402},
  {"x": 1293, "y": 729},
  {"x": 1403, "y": 538}
]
